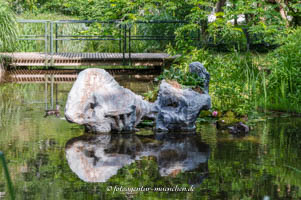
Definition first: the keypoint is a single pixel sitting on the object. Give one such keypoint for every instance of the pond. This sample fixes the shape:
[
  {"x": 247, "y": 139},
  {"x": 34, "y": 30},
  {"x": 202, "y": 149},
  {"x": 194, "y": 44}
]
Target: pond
[{"x": 49, "y": 158}]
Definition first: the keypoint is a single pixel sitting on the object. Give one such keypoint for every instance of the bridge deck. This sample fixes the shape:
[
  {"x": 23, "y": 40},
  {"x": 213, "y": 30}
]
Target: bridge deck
[
  {"x": 87, "y": 59},
  {"x": 63, "y": 75}
]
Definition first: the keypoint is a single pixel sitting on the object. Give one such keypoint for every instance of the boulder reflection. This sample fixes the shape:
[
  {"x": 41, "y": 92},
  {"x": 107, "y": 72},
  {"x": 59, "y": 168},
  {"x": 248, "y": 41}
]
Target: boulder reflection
[{"x": 97, "y": 158}]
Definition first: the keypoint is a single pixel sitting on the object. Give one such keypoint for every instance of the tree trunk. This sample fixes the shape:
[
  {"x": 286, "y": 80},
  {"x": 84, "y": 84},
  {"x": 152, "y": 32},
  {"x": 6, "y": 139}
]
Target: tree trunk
[
  {"x": 296, "y": 18},
  {"x": 235, "y": 17},
  {"x": 219, "y": 6},
  {"x": 280, "y": 9},
  {"x": 282, "y": 12},
  {"x": 247, "y": 18}
]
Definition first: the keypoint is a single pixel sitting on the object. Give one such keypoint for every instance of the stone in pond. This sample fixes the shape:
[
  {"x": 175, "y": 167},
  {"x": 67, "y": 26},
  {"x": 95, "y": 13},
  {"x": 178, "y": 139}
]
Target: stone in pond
[
  {"x": 200, "y": 70},
  {"x": 99, "y": 103},
  {"x": 179, "y": 108}
]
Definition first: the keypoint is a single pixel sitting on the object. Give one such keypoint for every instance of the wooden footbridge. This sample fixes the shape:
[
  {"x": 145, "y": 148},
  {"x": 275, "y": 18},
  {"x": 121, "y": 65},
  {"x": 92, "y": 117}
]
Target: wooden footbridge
[
  {"x": 30, "y": 59},
  {"x": 50, "y": 38},
  {"x": 20, "y": 63}
]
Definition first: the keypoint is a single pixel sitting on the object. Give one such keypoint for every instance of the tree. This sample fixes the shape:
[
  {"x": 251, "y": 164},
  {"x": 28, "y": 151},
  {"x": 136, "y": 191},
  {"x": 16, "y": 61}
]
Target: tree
[{"x": 219, "y": 6}]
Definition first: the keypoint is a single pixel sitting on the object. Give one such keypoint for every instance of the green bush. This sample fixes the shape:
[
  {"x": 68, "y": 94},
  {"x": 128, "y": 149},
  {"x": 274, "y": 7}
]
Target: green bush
[
  {"x": 184, "y": 78},
  {"x": 235, "y": 78}
]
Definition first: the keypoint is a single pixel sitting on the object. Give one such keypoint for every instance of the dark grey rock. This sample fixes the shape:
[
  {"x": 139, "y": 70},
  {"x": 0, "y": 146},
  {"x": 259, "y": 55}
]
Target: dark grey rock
[
  {"x": 178, "y": 108},
  {"x": 200, "y": 70},
  {"x": 239, "y": 129},
  {"x": 97, "y": 101}
]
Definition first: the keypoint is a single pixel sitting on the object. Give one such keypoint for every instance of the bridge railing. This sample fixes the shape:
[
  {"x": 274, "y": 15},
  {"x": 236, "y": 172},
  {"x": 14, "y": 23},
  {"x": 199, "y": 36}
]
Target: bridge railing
[
  {"x": 40, "y": 35},
  {"x": 58, "y": 36},
  {"x": 124, "y": 35},
  {"x": 161, "y": 32}
]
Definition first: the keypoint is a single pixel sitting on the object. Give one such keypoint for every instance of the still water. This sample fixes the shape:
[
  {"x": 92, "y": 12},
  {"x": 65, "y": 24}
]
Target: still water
[{"x": 49, "y": 158}]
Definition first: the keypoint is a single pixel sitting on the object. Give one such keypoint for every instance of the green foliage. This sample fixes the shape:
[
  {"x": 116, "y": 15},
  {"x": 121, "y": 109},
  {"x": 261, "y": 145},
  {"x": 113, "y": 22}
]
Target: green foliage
[
  {"x": 182, "y": 77},
  {"x": 245, "y": 82},
  {"x": 224, "y": 36},
  {"x": 284, "y": 80},
  {"x": 8, "y": 31},
  {"x": 151, "y": 95},
  {"x": 262, "y": 19},
  {"x": 235, "y": 78}
]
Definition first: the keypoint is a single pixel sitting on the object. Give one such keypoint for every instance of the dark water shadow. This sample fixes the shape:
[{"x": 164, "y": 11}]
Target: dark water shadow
[{"x": 96, "y": 158}]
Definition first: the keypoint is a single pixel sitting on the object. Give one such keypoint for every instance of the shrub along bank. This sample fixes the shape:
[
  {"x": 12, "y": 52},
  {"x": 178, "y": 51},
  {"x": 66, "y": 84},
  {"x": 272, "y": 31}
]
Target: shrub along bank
[{"x": 246, "y": 82}]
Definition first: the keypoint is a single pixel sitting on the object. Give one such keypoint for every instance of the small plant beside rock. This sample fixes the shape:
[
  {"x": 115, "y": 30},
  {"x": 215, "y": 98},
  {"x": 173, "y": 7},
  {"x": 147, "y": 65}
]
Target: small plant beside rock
[{"x": 178, "y": 78}]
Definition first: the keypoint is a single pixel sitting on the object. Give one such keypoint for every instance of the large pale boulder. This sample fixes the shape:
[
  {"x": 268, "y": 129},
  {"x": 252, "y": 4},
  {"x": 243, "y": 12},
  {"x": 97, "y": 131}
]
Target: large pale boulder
[{"x": 97, "y": 101}]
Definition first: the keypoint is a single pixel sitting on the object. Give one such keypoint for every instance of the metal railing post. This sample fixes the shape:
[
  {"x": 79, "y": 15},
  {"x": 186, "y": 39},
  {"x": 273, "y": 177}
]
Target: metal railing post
[
  {"x": 56, "y": 41},
  {"x": 51, "y": 43},
  {"x": 120, "y": 35},
  {"x": 130, "y": 59},
  {"x": 46, "y": 41},
  {"x": 51, "y": 87},
  {"x": 46, "y": 92},
  {"x": 124, "y": 43},
  {"x": 7, "y": 176}
]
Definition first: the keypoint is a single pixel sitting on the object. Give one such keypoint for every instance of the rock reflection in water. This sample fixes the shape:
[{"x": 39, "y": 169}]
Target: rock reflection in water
[{"x": 97, "y": 158}]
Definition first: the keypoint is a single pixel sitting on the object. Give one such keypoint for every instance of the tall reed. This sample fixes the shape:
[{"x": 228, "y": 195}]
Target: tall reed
[
  {"x": 284, "y": 82},
  {"x": 8, "y": 28}
]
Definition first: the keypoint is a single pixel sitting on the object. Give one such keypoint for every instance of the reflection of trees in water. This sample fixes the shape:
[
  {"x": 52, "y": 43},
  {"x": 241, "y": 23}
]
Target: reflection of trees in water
[
  {"x": 10, "y": 97},
  {"x": 97, "y": 158},
  {"x": 269, "y": 166}
]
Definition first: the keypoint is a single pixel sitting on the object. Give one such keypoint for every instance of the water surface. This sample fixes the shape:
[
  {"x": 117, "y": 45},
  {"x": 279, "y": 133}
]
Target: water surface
[{"x": 49, "y": 158}]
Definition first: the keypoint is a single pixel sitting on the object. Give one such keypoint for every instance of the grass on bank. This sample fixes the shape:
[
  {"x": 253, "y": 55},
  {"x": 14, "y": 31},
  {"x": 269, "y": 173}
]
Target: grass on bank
[{"x": 248, "y": 82}]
